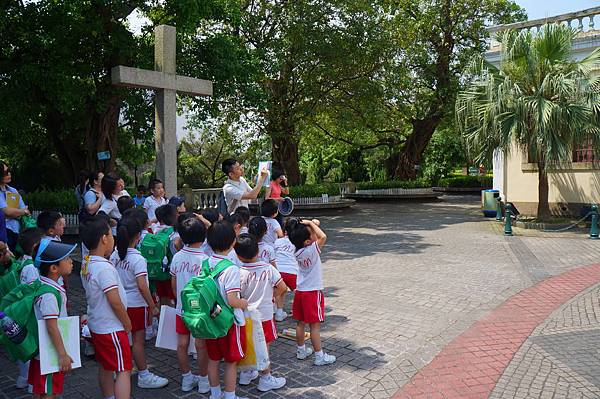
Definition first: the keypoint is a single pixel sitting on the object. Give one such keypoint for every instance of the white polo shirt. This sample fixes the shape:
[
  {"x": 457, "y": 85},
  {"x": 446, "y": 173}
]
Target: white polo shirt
[
  {"x": 29, "y": 273},
  {"x": 109, "y": 206},
  {"x": 272, "y": 227},
  {"x": 285, "y": 256},
  {"x": 228, "y": 282},
  {"x": 257, "y": 282},
  {"x": 151, "y": 203},
  {"x": 185, "y": 265},
  {"x": 266, "y": 252},
  {"x": 46, "y": 305},
  {"x": 234, "y": 191},
  {"x": 133, "y": 266},
  {"x": 310, "y": 270},
  {"x": 98, "y": 277}
]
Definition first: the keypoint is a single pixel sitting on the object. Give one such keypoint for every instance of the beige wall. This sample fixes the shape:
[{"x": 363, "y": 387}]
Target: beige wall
[{"x": 574, "y": 185}]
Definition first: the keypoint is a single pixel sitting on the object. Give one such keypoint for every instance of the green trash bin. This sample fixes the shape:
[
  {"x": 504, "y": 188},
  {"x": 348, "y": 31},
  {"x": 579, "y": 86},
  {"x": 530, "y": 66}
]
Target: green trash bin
[{"x": 489, "y": 202}]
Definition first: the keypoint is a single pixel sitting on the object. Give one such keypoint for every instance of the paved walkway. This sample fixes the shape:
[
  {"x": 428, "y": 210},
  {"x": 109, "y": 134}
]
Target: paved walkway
[{"x": 403, "y": 282}]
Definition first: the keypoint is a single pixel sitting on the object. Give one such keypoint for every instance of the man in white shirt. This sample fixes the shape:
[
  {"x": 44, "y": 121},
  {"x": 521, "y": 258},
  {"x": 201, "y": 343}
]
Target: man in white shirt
[{"x": 236, "y": 190}]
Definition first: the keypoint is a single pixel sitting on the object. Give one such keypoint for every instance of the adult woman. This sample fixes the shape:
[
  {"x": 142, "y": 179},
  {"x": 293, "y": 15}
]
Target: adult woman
[
  {"x": 92, "y": 198},
  {"x": 110, "y": 192},
  {"x": 82, "y": 187},
  {"x": 12, "y": 205},
  {"x": 277, "y": 186}
]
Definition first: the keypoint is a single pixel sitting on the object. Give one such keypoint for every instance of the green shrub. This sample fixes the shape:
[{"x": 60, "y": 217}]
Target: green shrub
[
  {"x": 466, "y": 182},
  {"x": 376, "y": 185},
  {"x": 63, "y": 201},
  {"x": 314, "y": 190}
]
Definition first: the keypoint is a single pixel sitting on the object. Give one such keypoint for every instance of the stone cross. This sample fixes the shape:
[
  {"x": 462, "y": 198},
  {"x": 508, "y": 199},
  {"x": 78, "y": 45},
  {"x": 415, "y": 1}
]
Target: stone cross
[{"x": 165, "y": 81}]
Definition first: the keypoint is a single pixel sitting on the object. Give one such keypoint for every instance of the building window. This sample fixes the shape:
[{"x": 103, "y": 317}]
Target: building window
[{"x": 584, "y": 152}]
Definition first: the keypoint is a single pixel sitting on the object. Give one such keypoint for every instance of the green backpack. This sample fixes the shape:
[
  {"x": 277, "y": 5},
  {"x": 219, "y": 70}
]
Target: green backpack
[
  {"x": 18, "y": 305},
  {"x": 12, "y": 278},
  {"x": 155, "y": 247},
  {"x": 27, "y": 222},
  {"x": 205, "y": 312}
]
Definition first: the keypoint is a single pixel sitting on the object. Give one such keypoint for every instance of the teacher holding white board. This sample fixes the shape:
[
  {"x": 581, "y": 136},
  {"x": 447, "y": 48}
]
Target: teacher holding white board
[{"x": 237, "y": 191}]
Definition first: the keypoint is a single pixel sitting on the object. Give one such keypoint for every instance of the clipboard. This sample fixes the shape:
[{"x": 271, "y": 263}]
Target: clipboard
[{"x": 13, "y": 200}]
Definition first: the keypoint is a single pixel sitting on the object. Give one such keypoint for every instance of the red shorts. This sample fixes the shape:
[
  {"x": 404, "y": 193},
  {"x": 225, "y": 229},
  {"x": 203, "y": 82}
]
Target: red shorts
[
  {"x": 140, "y": 318},
  {"x": 270, "y": 330},
  {"x": 309, "y": 306},
  {"x": 231, "y": 347},
  {"x": 113, "y": 351},
  {"x": 49, "y": 384},
  {"x": 290, "y": 280},
  {"x": 180, "y": 327},
  {"x": 164, "y": 289}
]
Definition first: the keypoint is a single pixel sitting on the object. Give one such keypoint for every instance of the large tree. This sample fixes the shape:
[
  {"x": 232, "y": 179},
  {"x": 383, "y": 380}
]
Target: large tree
[{"x": 540, "y": 101}]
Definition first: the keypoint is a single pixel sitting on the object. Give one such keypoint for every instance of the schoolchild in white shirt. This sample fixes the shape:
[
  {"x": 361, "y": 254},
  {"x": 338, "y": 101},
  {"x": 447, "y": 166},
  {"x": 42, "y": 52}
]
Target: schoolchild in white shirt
[
  {"x": 52, "y": 259},
  {"x": 152, "y": 202},
  {"x": 110, "y": 190},
  {"x": 285, "y": 257},
  {"x": 167, "y": 218},
  {"x": 244, "y": 212},
  {"x": 185, "y": 265},
  {"x": 258, "y": 228},
  {"x": 269, "y": 211},
  {"x": 309, "y": 303},
  {"x": 230, "y": 348},
  {"x": 133, "y": 272},
  {"x": 212, "y": 216},
  {"x": 260, "y": 281},
  {"x": 108, "y": 320},
  {"x": 53, "y": 223}
]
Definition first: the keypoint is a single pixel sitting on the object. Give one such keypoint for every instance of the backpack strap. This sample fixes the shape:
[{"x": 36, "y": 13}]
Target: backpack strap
[
  {"x": 219, "y": 268},
  {"x": 46, "y": 289}
]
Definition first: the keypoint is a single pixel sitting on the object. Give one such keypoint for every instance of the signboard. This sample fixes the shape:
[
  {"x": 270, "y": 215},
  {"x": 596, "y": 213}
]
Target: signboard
[
  {"x": 103, "y": 156},
  {"x": 69, "y": 331}
]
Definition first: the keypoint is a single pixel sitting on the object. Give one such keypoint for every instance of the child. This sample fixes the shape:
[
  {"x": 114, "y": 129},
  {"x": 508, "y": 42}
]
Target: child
[
  {"x": 309, "y": 304},
  {"x": 244, "y": 212},
  {"x": 179, "y": 204},
  {"x": 53, "y": 223},
  {"x": 257, "y": 282},
  {"x": 186, "y": 264},
  {"x": 258, "y": 228},
  {"x": 141, "y": 217},
  {"x": 28, "y": 240},
  {"x": 269, "y": 211},
  {"x": 110, "y": 191},
  {"x": 212, "y": 215},
  {"x": 237, "y": 221},
  {"x": 124, "y": 203},
  {"x": 140, "y": 197},
  {"x": 155, "y": 200},
  {"x": 167, "y": 217},
  {"x": 108, "y": 321},
  {"x": 52, "y": 259},
  {"x": 221, "y": 238},
  {"x": 287, "y": 265},
  {"x": 133, "y": 271}
]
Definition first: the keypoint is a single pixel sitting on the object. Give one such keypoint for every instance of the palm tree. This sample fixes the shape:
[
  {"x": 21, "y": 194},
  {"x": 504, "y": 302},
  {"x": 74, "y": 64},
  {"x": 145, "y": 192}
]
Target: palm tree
[{"x": 540, "y": 101}]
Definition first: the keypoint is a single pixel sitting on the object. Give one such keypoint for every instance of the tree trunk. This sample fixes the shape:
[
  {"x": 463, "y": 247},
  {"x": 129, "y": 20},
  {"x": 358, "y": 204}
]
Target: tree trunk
[
  {"x": 68, "y": 152},
  {"x": 409, "y": 159},
  {"x": 543, "y": 211},
  {"x": 285, "y": 156},
  {"x": 101, "y": 134}
]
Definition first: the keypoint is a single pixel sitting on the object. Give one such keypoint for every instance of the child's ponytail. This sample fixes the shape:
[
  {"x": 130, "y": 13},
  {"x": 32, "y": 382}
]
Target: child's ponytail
[
  {"x": 257, "y": 227},
  {"x": 127, "y": 231},
  {"x": 291, "y": 224}
]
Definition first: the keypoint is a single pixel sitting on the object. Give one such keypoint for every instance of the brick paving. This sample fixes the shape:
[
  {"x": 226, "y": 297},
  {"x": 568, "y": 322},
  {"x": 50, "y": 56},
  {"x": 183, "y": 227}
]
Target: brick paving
[{"x": 403, "y": 280}]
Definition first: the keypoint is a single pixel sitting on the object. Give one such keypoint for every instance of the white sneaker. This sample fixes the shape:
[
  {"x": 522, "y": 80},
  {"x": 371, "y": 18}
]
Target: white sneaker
[
  {"x": 151, "y": 381},
  {"x": 324, "y": 359},
  {"x": 270, "y": 382},
  {"x": 21, "y": 382},
  {"x": 302, "y": 354},
  {"x": 247, "y": 376},
  {"x": 149, "y": 333},
  {"x": 280, "y": 315},
  {"x": 189, "y": 382},
  {"x": 203, "y": 385}
]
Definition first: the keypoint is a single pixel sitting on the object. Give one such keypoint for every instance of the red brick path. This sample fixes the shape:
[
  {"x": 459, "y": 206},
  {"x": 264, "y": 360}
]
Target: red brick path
[{"x": 470, "y": 365}]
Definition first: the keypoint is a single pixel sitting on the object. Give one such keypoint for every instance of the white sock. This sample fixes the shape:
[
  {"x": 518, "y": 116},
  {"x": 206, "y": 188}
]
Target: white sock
[
  {"x": 302, "y": 348},
  {"x": 143, "y": 373},
  {"x": 279, "y": 310},
  {"x": 229, "y": 395},
  {"x": 187, "y": 374},
  {"x": 23, "y": 368},
  {"x": 215, "y": 391},
  {"x": 265, "y": 375},
  {"x": 319, "y": 353},
  {"x": 203, "y": 378},
  {"x": 110, "y": 397}
]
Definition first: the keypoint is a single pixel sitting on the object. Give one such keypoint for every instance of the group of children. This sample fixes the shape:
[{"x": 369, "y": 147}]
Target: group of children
[{"x": 265, "y": 261}]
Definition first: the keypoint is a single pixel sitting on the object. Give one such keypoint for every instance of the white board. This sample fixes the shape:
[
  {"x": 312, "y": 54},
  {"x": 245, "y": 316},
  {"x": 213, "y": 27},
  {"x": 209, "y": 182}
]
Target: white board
[
  {"x": 265, "y": 165},
  {"x": 69, "y": 331},
  {"x": 167, "y": 336}
]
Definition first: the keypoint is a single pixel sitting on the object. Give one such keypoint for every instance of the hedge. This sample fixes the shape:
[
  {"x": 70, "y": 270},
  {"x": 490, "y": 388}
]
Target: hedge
[
  {"x": 314, "y": 190},
  {"x": 466, "y": 182},
  {"x": 63, "y": 201},
  {"x": 375, "y": 185}
]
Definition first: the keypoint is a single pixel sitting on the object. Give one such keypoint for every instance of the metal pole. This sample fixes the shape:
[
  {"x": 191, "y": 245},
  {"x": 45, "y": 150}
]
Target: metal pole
[
  {"x": 507, "y": 225},
  {"x": 594, "y": 226}
]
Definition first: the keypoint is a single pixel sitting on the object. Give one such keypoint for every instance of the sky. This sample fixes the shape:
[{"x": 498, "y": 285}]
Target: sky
[{"x": 548, "y": 8}]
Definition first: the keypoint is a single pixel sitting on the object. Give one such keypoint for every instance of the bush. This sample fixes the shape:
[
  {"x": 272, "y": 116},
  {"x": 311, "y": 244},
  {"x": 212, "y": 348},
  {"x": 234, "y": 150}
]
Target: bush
[
  {"x": 314, "y": 190},
  {"x": 63, "y": 201},
  {"x": 376, "y": 185},
  {"x": 466, "y": 182}
]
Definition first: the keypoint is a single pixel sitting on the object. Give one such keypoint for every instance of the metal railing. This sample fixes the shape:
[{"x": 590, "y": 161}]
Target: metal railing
[{"x": 582, "y": 20}]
